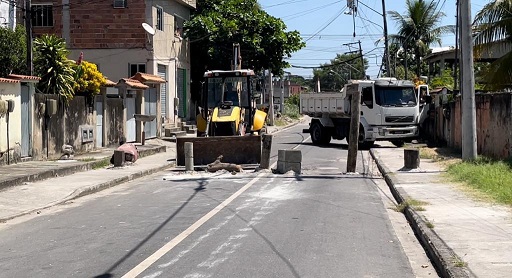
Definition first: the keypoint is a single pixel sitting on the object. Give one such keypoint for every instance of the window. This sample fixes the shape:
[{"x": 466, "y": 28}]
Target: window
[
  {"x": 178, "y": 26},
  {"x": 367, "y": 97},
  {"x": 159, "y": 18},
  {"x": 134, "y": 68},
  {"x": 120, "y": 3},
  {"x": 42, "y": 15}
]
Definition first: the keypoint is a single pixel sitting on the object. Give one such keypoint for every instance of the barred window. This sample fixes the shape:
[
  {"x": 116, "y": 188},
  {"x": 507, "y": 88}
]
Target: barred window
[
  {"x": 42, "y": 15},
  {"x": 159, "y": 18}
]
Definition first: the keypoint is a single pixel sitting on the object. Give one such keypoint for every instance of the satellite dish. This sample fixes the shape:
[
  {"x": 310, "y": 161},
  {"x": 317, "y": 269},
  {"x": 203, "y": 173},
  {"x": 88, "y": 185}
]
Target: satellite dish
[{"x": 148, "y": 28}]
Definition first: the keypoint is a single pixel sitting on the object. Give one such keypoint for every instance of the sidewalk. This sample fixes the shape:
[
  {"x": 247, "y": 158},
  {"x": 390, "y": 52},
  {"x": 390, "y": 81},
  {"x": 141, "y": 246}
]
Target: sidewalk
[
  {"x": 35, "y": 185},
  {"x": 31, "y": 186},
  {"x": 463, "y": 237}
]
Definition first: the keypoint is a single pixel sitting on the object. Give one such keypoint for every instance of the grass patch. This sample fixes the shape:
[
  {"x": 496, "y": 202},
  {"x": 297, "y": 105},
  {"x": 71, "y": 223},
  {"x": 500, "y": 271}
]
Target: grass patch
[
  {"x": 88, "y": 159},
  {"x": 430, "y": 225},
  {"x": 102, "y": 163},
  {"x": 458, "y": 262},
  {"x": 491, "y": 177},
  {"x": 415, "y": 204}
]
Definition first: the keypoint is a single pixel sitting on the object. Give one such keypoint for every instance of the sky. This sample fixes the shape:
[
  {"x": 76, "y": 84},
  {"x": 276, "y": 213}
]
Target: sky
[{"x": 326, "y": 28}]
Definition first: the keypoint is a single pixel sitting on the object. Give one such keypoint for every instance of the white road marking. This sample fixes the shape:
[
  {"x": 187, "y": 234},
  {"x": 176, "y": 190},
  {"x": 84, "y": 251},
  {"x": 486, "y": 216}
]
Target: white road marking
[
  {"x": 141, "y": 267},
  {"x": 175, "y": 241}
]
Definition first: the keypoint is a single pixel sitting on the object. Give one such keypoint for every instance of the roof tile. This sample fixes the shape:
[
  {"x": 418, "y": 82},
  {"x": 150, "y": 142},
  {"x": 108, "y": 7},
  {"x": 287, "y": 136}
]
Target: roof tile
[{"x": 147, "y": 78}]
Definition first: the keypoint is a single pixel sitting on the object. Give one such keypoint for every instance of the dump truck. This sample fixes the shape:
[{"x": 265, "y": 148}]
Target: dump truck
[
  {"x": 391, "y": 110},
  {"x": 229, "y": 124}
]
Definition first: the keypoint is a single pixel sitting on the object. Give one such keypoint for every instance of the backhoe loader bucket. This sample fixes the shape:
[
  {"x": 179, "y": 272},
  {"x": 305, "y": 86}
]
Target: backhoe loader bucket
[{"x": 234, "y": 149}]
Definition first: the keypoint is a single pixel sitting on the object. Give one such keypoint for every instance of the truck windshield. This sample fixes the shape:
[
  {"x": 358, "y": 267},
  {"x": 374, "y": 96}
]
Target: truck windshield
[
  {"x": 227, "y": 89},
  {"x": 395, "y": 96}
]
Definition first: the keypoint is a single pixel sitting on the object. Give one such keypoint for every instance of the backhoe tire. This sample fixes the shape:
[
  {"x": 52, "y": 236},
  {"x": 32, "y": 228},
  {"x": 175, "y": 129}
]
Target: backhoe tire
[{"x": 319, "y": 134}]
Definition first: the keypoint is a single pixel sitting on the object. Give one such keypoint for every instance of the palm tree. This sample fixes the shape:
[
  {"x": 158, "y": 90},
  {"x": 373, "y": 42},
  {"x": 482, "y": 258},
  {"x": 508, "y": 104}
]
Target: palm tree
[
  {"x": 494, "y": 24},
  {"x": 418, "y": 28},
  {"x": 54, "y": 68}
]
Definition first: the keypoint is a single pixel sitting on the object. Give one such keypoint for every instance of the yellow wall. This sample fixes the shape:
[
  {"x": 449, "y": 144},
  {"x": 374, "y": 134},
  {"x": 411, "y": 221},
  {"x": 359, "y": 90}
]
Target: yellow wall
[{"x": 11, "y": 91}]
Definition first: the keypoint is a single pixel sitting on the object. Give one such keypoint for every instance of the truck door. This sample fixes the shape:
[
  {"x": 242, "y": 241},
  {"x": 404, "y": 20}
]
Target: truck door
[{"x": 368, "y": 105}]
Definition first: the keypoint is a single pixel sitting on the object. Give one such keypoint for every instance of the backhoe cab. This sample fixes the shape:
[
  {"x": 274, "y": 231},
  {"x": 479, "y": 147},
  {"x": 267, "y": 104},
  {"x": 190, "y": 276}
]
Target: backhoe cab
[{"x": 228, "y": 104}]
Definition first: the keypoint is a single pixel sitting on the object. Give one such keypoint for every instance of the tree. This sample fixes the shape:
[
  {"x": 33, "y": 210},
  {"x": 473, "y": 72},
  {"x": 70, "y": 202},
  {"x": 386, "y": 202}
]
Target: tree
[
  {"x": 335, "y": 74},
  {"x": 13, "y": 51},
  {"x": 90, "y": 80},
  {"x": 418, "y": 28},
  {"x": 217, "y": 24},
  {"x": 493, "y": 24},
  {"x": 53, "y": 66}
]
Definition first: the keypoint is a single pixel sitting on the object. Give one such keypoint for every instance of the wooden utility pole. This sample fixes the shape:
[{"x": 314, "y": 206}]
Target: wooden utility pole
[
  {"x": 469, "y": 146},
  {"x": 386, "y": 43},
  {"x": 28, "y": 27},
  {"x": 353, "y": 91},
  {"x": 271, "y": 99}
]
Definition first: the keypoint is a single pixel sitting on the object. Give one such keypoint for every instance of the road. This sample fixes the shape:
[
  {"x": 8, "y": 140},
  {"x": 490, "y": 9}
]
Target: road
[{"x": 322, "y": 223}]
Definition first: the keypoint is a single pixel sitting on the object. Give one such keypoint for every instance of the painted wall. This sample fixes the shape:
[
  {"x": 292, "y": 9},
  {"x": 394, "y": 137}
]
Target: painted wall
[
  {"x": 493, "y": 121},
  {"x": 10, "y": 91}
]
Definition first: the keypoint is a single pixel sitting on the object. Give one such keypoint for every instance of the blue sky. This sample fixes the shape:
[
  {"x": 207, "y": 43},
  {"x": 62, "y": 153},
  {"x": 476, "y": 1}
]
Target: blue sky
[{"x": 325, "y": 28}]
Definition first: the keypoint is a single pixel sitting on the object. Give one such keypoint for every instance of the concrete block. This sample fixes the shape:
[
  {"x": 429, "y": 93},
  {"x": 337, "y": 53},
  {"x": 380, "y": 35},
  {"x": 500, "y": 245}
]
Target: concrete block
[
  {"x": 289, "y": 156},
  {"x": 283, "y": 167}
]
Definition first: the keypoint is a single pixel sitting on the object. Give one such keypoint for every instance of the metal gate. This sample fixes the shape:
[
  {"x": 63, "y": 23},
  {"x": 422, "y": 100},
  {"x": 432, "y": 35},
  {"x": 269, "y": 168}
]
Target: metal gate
[
  {"x": 130, "y": 119},
  {"x": 26, "y": 122},
  {"x": 99, "y": 122},
  {"x": 162, "y": 72},
  {"x": 181, "y": 86},
  {"x": 150, "y": 109}
]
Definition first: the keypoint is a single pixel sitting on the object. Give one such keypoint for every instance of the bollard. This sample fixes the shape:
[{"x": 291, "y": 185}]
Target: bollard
[
  {"x": 265, "y": 151},
  {"x": 411, "y": 158},
  {"x": 118, "y": 158},
  {"x": 189, "y": 156}
]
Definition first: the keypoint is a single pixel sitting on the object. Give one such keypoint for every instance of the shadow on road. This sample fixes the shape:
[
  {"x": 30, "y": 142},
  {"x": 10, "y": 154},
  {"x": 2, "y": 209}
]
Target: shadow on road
[{"x": 108, "y": 273}]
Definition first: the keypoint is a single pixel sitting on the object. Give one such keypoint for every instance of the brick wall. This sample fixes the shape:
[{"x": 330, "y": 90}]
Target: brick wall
[{"x": 97, "y": 24}]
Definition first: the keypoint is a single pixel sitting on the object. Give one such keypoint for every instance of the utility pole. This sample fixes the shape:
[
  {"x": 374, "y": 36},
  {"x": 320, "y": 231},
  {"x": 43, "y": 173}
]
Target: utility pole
[
  {"x": 281, "y": 99},
  {"x": 271, "y": 99},
  {"x": 386, "y": 43},
  {"x": 469, "y": 146},
  {"x": 362, "y": 59},
  {"x": 457, "y": 26},
  {"x": 12, "y": 24},
  {"x": 28, "y": 27}
]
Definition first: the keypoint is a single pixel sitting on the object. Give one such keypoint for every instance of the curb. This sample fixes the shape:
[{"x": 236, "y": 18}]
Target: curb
[
  {"x": 285, "y": 127},
  {"x": 81, "y": 192},
  {"x": 442, "y": 256},
  {"x": 69, "y": 170}
]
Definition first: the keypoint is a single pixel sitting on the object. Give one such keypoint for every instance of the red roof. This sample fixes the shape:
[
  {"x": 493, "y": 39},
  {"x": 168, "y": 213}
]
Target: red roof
[
  {"x": 132, "y": 83},
  {"x": 110, "y": 83},
  {"x": 147, "y": 78},
  {"x": 24, "y": 78},
  {"x": 8, "y": 80}
]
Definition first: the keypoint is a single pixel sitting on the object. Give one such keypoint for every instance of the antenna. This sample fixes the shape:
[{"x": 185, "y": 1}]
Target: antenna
[
  {"x": 148, "y": 28},
  {"x": 150, "y": 32}
]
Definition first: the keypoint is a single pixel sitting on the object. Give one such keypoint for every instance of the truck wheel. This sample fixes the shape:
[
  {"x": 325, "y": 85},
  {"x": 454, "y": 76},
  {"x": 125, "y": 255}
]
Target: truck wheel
[
  {"x": 398, "y": 143},
  {"x": 319, "y": 134}
]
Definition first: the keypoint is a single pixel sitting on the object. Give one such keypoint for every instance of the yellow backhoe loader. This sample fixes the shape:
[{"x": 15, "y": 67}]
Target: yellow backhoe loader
[{"x": 228, "y": 123}]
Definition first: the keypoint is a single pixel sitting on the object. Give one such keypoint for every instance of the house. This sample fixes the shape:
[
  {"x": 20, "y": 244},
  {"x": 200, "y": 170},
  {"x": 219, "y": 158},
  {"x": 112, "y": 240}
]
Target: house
[
  {"x": 7, "y": 18},
  {"x": 16, "y": 126},
  {"x": 112, "y": 35}
]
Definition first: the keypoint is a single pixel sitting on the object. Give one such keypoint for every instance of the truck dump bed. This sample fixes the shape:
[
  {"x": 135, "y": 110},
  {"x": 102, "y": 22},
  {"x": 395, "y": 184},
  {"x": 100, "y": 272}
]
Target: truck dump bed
[{"x": 332, "y": 104}]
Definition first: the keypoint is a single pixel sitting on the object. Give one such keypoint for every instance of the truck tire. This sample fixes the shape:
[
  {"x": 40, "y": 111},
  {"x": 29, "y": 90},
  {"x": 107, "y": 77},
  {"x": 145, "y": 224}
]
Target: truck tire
[
  {"x": 319, "y": 134},
  {"x": 398, "y": 143},
  {"x": 363, "y": 145}
]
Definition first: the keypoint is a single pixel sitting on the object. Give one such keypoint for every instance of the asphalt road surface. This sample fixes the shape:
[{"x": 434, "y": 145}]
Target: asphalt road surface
[{"x": 321, "y": 223}]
